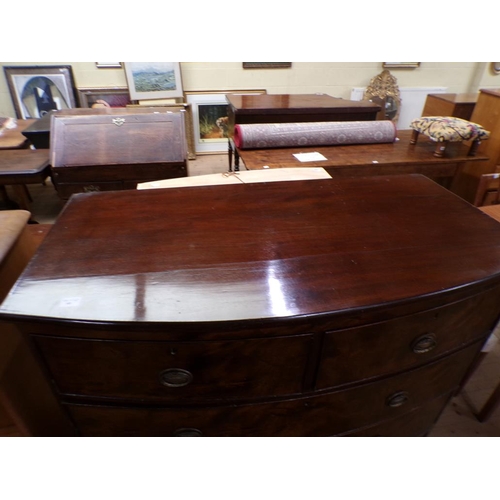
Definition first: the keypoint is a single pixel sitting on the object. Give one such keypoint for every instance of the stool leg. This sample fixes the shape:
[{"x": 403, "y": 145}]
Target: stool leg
[
  {"x": 440, "y": 149},
  {"x": 473, "y": 147},
  {"x": 414, "y": 137}
]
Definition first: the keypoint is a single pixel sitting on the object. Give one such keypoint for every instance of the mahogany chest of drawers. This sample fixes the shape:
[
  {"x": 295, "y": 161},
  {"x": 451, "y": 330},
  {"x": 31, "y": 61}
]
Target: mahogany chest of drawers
[
  {"x": 312, "y": 312},
  {"x": 459, "y": 105},
  {"x": 116, "y": 150}
]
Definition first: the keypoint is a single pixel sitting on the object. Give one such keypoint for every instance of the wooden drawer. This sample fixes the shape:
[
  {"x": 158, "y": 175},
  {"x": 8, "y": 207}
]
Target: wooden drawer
[
  {"x": 177, "y": 372},
  {"x": 65, "y": 190},
  {"x": 393, "y": 346},
  {"x": 416, "y": 423},
  {"x": 323, "y": 415}
]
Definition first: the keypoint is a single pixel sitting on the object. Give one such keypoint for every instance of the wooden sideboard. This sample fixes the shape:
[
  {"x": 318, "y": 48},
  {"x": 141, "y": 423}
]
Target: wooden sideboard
[
  {"x": 350, "y": 306},
  {"x": 289, "y": 108}
]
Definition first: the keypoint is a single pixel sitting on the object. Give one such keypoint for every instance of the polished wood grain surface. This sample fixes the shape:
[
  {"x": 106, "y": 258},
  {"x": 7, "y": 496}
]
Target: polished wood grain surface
[
  {"x": 256, "y": 103},
  {"x": 18, "y": 165},
  {"x": 291, "y": 249},
  {"x": 13, "y": 138},
  {"x": 399, "y": 157},
  {"x": 316, "y": 308}
]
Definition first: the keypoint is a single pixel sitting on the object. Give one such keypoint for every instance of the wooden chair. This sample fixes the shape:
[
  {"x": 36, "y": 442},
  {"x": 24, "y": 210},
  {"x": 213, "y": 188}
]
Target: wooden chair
[{"x": 488, "y": 190}]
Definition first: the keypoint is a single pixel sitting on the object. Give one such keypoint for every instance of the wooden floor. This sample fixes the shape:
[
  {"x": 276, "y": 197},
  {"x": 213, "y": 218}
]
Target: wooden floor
[{"x": 457, "y": 420}]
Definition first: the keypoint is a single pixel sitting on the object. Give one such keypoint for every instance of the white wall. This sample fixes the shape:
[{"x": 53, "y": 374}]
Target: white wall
[{"x": 336, "y": 79}]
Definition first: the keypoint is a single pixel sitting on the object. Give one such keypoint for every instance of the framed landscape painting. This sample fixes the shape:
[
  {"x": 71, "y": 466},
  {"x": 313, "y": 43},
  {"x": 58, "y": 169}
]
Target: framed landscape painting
[
  {"x": 153, "y": 80},
  {"x": 37, "y": 90}
]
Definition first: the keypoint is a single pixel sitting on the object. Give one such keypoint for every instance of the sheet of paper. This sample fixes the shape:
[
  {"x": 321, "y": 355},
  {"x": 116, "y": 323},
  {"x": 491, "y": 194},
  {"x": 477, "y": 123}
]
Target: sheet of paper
[{"x": 309, "y": 157}]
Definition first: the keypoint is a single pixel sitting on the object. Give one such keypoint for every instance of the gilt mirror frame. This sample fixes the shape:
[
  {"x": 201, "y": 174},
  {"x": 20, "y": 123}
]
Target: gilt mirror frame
[{"x": 383, "y": 90}]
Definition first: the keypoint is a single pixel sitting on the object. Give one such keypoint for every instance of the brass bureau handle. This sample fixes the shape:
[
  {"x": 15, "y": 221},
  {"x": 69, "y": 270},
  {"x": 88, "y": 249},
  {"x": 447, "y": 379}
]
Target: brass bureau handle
[
  {"x": 423, "y": 344},
  {"x": 187, "y": 432},
  {"x": 175, "y": 377},
  {"x": 398, "y": 399}
]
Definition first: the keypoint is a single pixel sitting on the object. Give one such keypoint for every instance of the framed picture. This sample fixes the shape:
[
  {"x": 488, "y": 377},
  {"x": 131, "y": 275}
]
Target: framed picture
[
  {"x": 107, "y": 65},
  {"x": 210, "y": 120},
  {"x": 37, "y": 90},
  {"x": 401, "y": 64},
  {"x": 112, "y": 97},
  {"x": 153, "y": 80},
  {"x": 266, "y": 65}
]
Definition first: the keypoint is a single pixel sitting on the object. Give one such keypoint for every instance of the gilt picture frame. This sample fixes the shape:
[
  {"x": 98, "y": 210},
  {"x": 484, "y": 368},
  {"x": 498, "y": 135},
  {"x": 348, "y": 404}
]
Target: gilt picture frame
[
  {"x": 37, "y": 90},
  {"x": 153, "y": 80},
  {"x": 113, "y": 97},
  {"x": 209, "y": 113}
]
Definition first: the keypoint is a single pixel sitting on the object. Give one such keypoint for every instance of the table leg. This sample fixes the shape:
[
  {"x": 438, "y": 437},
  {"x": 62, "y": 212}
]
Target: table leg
[
  {"x": 230, "y": 154},
  {"x": 23, "y": 196},
  {"x": 236, "y": 160},
  {"x": 4, "y": 194}
]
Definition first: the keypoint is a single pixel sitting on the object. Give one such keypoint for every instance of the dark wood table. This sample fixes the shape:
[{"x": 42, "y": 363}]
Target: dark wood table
[
  {"x": 19, "y": 167},
  {"x": 399, "y": 157},
  {"x": 348, "y": 306},
  {"x": 290, "y": 108},
  {"x": 14, "y": 138}
]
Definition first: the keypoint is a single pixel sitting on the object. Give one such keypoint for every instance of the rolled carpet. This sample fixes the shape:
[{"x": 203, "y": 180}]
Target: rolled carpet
[{"x": 281, "y": 135}]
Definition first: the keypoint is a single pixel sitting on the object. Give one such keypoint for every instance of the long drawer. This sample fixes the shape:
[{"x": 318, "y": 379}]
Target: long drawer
[
  {"x": 177, "y": 371},
  {"x": 321, "y": 415},
  {"x": 391, "y": 346}
]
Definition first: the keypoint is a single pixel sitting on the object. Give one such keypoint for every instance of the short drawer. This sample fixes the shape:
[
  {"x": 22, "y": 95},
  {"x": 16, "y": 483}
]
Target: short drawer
[
  {"x": 179, "y": 371},
  {"x": 388, "y": 347},
  {"x": 66, "y": 189},
  {"x": 415, "y": 423},
  {"x": 321, "y": 415}
]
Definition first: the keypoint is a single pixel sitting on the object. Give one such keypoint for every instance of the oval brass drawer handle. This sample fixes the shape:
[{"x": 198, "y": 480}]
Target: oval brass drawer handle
[
  {"x": 424, "y": 343},
  {"x": 398, "y": 399},
  {"x": 175, "y": 377},
  {"x": 187, "y": 432}
]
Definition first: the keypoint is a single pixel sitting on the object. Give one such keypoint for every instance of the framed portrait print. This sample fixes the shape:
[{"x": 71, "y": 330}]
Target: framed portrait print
[
  {"x": 210, "y": 120},
  {"x": 37, "y": 90},
  {"x": 153, "y": 80},
  {"x": 113, "y": 97},
  {"x": 401, "y": 65}
]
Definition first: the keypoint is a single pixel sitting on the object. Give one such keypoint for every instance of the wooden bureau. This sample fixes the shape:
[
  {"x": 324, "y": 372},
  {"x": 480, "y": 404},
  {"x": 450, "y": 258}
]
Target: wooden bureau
[
  {"x": 332, "y": 307},
  {"x": 116, "y": 150}
]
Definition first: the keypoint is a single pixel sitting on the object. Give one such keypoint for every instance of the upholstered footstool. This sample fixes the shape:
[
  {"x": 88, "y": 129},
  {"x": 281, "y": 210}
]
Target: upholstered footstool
[{"x": 444, "y": 129}]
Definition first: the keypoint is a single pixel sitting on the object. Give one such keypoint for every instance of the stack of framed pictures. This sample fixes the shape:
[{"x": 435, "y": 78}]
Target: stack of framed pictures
[{"x": 209, "y": 110}]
